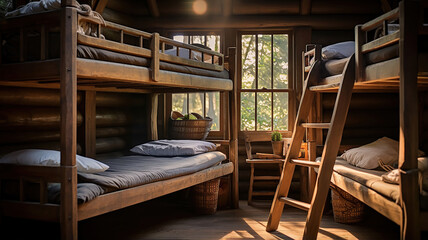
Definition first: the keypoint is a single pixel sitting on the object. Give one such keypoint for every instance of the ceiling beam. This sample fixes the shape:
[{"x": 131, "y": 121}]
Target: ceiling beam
[
  {"x": 305, "y": 7},
  {"x": 100, "y": 5},
  {"x": 322, "y": 22},
  {"x": 386, "y": 7},
  {"x": 153, "y": 8},
  {"x": 227, "y": 8}
]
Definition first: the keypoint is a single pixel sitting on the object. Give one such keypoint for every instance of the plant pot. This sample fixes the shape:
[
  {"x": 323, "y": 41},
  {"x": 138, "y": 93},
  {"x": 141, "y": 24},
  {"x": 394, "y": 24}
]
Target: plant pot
[{"x": 277, "y": 147}]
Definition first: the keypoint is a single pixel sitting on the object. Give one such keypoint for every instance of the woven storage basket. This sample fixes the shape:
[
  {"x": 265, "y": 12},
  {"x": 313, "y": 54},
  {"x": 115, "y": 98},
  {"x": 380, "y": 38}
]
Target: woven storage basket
[
  {"x": 346, "y": 208},
  {"x": 190, "y": 129},
  {"x": 205, "y": 196}
]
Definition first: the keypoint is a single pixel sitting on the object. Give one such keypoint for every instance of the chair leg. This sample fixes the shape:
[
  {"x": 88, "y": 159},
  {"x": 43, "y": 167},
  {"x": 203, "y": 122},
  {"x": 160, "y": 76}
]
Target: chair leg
[{"x": 250, "y": 190}]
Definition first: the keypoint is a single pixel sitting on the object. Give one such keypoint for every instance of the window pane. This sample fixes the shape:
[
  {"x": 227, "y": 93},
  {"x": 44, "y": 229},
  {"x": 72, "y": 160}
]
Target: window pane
[
  {"x": 213, "y": 108},
  {"x": 198, "y": 39},
  {"x": 264, "y": 111},
  {"x": 280, "y": 111},
  {"x": 280, "y": 63},
  {"x": 196, "y": 103},
  {"x": 247, "y": 111},
  {"x": 179, "y": 103},
  {"x": 213, "y": 42},
  {"x": 264, "y": 61},
  {"x": 248, "y": 61}
]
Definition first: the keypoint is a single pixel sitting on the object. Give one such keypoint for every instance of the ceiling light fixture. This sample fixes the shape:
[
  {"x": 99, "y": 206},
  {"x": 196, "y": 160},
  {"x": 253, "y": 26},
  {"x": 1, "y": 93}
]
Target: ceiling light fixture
[{"x": 200, "y": 7}]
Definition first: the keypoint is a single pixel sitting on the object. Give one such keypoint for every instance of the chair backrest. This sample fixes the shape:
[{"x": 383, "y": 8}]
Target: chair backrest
[{"x": 251, "y": 137}]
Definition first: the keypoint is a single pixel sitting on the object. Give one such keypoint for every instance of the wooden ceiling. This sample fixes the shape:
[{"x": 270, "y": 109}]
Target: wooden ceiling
[{"x": 319, "y": 14}]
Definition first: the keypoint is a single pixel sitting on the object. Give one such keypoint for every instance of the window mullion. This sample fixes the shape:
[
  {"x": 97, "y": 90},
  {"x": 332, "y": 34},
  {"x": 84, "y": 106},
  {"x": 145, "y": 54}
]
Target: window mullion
[
  {"x": 271, "y": 81},
  {"x": 257, "y": 81}
]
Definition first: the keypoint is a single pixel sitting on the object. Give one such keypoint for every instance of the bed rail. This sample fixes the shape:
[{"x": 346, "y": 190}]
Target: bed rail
[{"x": 29, "y": 204}]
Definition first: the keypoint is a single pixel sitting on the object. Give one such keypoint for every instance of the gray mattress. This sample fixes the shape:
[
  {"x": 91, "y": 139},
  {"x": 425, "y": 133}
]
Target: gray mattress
[
  {"x": 109, "y": 56},
  {"x": 135, "y": 170}
]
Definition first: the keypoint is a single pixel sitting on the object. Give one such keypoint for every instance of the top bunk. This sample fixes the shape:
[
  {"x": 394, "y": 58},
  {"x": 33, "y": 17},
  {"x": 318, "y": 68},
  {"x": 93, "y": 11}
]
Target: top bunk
[
  {"x": 105, "y": 56},
  {"x": 381, "y": 53}
]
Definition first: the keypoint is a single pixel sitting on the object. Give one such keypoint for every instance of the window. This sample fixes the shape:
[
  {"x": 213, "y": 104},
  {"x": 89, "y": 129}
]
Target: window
[
  {"x": 204, "y": 103},
  {"x": 264, "y": 89}
]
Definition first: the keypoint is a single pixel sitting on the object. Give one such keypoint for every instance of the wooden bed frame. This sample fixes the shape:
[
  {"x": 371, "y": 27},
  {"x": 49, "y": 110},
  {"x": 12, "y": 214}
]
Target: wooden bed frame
[
  {"x": 70, "y": 74},
  {"x": 399, "y": 74}
]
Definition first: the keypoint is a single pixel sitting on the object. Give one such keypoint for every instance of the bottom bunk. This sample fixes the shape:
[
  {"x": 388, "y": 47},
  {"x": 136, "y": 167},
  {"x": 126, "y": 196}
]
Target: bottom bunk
[{"x": 28, "y": 192}]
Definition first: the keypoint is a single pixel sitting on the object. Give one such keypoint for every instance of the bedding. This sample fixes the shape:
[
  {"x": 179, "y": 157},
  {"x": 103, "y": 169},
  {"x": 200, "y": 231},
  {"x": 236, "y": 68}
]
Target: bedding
[
  {"x": 40, "y": 157},
  {"x": 338, "y": 50},
  {"x": 109, "y": 56},
  {"x": 168, "y": 148},
  {"x": 135, "y": 170}
]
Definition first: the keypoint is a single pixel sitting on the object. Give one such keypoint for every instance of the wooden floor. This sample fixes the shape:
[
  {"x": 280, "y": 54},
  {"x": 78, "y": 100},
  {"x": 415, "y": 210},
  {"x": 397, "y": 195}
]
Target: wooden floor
[{"x": 168, "y": 218}]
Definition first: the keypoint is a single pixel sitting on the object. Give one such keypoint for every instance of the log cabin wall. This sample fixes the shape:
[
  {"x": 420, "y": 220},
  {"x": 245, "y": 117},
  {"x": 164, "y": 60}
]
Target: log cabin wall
[{"x": 30, "y": 118}]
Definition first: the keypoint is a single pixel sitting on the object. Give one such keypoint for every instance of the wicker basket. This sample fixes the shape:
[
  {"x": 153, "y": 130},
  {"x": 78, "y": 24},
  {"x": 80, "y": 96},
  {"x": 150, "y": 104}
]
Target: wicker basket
[
  {"x": 205, "y": 196},
  {"x": 189, "y": 129},
  {"x": 346, "y": 208}
]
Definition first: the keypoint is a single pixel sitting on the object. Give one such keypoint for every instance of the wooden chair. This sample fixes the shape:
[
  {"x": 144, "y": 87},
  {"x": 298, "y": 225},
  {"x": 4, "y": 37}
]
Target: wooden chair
[{"x": 253, "y": 160}]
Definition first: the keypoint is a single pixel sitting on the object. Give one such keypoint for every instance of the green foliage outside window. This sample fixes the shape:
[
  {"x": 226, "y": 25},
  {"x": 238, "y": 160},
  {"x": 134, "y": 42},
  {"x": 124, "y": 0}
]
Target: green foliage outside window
[{"x": 264, "y": 74}]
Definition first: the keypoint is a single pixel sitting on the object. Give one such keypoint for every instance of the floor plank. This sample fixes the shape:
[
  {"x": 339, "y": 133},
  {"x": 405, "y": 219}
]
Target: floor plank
[{"x": 169, "y": 218}]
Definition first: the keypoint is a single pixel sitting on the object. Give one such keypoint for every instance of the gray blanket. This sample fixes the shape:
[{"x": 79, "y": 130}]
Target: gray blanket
[{"x": 131, "y": 171}]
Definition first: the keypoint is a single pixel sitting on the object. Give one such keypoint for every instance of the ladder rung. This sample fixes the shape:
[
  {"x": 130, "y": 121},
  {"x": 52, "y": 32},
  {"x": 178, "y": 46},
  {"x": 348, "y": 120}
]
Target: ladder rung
[
  {"x": 263, "y": 193},
  {"x": 306, "y": 163},
  {"x": 295, "y": 203},
  {"x": 315, "y": 125},
  {"x": 266, "y": 177}
]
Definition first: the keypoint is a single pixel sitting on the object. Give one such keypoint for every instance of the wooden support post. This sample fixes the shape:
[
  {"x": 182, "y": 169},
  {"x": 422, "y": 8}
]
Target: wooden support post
[
  {"x": 233, "y": 109},
  {"x": 360, "y": 39},
  {"x": 409, "y": 120},
  {"x": 90, "y": 124},
  {"x": 68, "y": 91},
  {"x": 155, "y": 56},
  {"x": 154, "y": 102}
]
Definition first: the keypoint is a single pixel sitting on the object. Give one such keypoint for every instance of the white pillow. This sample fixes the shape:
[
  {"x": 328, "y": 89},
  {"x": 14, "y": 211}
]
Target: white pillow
[
  {"x": 39, "y": 157},
  {"x": 339, "y": 50},
  {"x": 170, "y": 148},
  {"x": 367, "y": 156}
]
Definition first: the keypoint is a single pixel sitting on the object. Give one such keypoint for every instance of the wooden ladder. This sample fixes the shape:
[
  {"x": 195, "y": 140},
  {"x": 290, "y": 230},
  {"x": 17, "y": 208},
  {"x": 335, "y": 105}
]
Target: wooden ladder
[{"x": 331, "y": 147}]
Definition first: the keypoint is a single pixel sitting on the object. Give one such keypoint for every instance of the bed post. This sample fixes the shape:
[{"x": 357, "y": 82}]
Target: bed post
[
  {"x": 409, "y": 120},
  {"x": 233, "y": 113},
  {"x": 68, "y": 90}
]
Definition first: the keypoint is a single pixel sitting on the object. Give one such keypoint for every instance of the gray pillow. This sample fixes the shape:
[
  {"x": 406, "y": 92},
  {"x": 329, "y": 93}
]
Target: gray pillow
[
  {"x": 339, "y": 50},
  {"x": 170, "y": 148}
]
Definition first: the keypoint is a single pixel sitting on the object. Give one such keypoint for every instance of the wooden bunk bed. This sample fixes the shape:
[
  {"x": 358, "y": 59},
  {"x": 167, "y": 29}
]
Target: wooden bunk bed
[
  {"x": 392, "y": 62},
  {"x": 70, "y": 73}
]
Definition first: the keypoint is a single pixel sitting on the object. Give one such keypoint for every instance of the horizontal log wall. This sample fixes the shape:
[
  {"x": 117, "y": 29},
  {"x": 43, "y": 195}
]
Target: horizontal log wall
[
  {"x": 30, "y": 118},
  {"x": 371, "y": 116}
]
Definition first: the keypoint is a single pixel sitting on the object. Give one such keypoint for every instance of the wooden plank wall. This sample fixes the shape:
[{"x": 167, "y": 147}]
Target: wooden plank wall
[{"x": 30, "y": 118}]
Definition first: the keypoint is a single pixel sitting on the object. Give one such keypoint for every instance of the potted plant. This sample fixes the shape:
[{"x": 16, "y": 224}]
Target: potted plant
[{"x": 277, "y": 143}]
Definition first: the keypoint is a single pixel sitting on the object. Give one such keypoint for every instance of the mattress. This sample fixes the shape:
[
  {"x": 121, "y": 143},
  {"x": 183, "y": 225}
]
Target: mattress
[
  {"x": 373, "y": 180},
  {"x": 124, "y": 172},
  {"x": 109, "y": 56}
]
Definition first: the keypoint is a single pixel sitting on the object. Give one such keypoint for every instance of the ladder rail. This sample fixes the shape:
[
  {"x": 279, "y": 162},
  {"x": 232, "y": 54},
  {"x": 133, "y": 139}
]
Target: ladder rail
[{"x": 294, "y": 149}]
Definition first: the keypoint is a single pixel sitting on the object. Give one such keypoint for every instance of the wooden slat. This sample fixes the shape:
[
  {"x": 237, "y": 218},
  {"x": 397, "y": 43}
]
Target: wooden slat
[
  {"x": 316, "y": 125},
  {"x": 381, "y": 42},
  {"x": 263, "y": 193},
  {"x": 127, "y": 197},
  {"x": 295, "y": 203},
  {"x": 12, "y": 171},
  {"x": 113, "y": 46},
  {"x": 379, "y": 20},
  {"x": 134, "y": 74},
  {"x": 267, "y": 161},
  {"x": 30, "y": 210},
  {"x": 189, "y": 62},
  {"x": 266, "y": 178},
  {"x": 306, "y": 163}
]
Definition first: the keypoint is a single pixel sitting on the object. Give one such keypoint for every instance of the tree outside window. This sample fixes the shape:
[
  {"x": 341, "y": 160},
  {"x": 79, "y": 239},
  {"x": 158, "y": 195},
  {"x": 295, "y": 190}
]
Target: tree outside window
[{"x": 264, "y": 89}]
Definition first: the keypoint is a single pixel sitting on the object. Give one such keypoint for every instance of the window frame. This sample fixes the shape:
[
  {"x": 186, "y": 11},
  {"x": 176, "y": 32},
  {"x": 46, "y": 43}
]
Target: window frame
[
  {"x": 214, "y": 134},
  {"x": 291, "y": 82}
]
